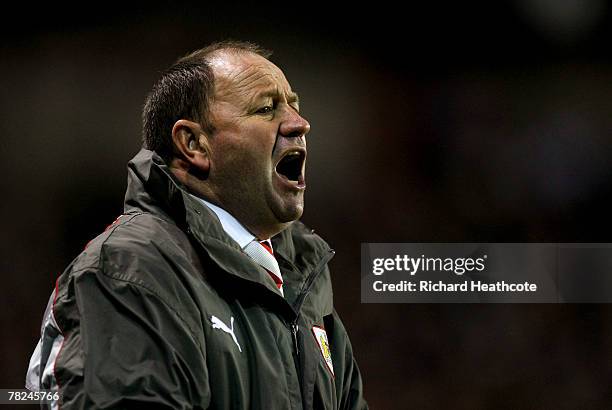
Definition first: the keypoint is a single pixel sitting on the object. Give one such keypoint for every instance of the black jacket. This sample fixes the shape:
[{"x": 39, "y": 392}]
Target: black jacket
[{"x": 164, "y": 310}]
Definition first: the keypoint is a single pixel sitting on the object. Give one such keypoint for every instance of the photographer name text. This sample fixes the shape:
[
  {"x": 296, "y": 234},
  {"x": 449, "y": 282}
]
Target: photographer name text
[{"x": 465, "y": 286}]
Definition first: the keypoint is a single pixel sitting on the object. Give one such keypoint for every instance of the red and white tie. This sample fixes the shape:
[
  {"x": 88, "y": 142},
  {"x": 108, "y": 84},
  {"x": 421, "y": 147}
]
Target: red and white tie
[{"x": 262, "y": 253}]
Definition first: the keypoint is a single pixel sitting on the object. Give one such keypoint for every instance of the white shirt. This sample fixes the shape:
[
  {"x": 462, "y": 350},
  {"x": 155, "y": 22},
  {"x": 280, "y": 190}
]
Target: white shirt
[{"x": 238, "y": 232}]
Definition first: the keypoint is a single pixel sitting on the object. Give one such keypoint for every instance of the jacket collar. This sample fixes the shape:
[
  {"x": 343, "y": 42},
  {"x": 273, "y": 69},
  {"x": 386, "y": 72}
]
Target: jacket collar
[{"x": 152, "y": 188}]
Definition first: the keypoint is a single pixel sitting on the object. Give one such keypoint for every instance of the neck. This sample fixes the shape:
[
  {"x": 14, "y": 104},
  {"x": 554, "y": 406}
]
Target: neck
[{"x": 251, "y": 221}]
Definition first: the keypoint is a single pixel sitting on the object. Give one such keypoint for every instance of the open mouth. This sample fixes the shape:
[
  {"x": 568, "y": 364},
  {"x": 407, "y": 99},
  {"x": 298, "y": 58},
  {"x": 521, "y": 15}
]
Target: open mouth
[{"x": 291, "y": 166}]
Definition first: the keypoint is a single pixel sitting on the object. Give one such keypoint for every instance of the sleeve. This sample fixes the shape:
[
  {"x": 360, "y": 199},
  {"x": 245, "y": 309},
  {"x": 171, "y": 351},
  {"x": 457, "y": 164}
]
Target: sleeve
[
  {"x": 124, "y": 347},
  {"x": 349, "y": 386}
]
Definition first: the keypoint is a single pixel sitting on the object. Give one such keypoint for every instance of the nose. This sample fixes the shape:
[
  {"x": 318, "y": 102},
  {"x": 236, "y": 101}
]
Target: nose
[{"x": 294, "y": 125}]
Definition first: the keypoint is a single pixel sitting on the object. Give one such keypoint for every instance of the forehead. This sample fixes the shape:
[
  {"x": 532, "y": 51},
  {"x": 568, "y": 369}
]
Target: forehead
[{"x": 246, "y": 74}]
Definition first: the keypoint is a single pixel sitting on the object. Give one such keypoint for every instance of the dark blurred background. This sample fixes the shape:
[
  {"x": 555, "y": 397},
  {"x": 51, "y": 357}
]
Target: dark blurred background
[{"x": 480, "y": 122}]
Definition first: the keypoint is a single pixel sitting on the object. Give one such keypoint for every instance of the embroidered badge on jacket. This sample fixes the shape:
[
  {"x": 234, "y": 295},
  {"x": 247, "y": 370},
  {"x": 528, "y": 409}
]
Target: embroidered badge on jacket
[{"x": 320, "y": 336}]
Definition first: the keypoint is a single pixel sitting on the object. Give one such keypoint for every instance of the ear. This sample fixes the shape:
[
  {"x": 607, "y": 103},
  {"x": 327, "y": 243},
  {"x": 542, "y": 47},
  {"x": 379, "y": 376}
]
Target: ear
[{"x": 191, "y": 147}]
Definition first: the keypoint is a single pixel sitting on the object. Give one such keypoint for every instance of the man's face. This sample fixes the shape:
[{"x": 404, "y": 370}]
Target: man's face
[{"x": 258, "y": 147}]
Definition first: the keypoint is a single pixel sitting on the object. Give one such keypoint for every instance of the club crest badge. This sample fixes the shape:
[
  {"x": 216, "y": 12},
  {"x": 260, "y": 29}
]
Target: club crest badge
[{"x": 320, "y": 336}]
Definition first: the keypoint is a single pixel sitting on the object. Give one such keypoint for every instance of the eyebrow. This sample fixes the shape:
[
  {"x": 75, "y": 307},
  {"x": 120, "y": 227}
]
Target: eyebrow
[{"x": 292, "y": 97}]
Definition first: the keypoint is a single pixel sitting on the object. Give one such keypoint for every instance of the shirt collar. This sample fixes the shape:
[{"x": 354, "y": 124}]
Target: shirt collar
[{"x": 230, "y": 225}]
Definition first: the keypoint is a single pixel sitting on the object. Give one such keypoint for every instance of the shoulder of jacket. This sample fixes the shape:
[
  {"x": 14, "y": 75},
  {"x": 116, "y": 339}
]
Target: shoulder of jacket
[
  {"x": 143, "y": 249},
  {"x": 135, "y": 232}
]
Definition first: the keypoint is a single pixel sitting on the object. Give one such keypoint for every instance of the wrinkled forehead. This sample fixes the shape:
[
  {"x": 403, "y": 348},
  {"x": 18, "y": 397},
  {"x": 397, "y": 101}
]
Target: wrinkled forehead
[{"x": 245, "y": 74}]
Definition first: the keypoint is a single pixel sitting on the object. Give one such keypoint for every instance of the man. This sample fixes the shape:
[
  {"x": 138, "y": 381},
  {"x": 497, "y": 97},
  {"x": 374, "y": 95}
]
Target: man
[{"x": 207, "y": 292}]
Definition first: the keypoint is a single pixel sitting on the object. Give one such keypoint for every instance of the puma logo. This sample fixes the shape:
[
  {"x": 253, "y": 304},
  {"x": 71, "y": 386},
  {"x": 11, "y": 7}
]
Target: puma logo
[{"x": 218, "y": 324}]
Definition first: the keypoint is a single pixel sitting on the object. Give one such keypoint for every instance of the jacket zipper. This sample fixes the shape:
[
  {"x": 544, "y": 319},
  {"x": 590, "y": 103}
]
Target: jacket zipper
[
  {"x": 294, "y": 331},
  {"x": 297, "y": 306}
]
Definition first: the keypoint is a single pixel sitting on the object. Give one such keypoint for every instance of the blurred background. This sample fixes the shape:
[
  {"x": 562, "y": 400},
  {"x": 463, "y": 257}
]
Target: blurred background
[{"x": 430, "y": 123}]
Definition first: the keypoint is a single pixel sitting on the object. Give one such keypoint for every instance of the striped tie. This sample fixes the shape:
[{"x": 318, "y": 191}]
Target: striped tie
[{"x": 262, "y": 253}]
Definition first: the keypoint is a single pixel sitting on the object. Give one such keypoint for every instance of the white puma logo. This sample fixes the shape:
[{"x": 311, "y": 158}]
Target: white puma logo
[{"x": 218, "y": 324}]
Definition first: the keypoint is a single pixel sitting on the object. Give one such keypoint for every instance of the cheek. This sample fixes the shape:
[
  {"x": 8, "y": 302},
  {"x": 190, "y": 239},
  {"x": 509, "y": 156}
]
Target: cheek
[
  {"x": 227, "y": 147},
  {"x": 240, "y": 159},
  {"x": 245, "y": 144}
]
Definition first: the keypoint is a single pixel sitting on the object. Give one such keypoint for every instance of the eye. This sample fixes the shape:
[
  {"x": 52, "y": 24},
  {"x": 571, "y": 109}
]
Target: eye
[{"x": 265, "y": 110}]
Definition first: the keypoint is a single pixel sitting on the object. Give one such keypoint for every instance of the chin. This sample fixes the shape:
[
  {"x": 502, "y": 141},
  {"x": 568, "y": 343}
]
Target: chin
[{"x": 290, "y": 214}]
